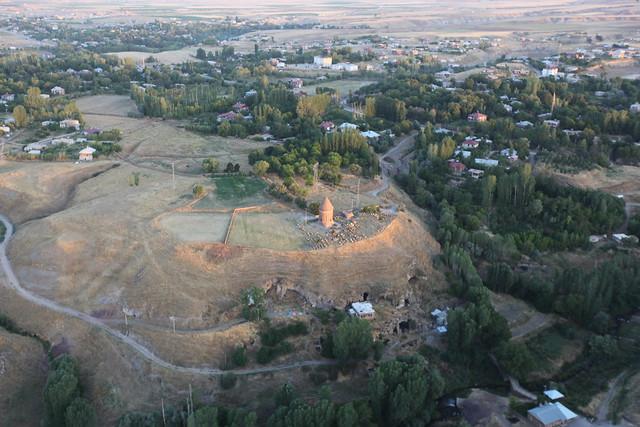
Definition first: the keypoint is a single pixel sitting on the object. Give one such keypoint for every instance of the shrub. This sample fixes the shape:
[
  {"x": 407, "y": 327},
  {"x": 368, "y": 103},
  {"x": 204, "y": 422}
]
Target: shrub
[{"x": 228, "y": 380}]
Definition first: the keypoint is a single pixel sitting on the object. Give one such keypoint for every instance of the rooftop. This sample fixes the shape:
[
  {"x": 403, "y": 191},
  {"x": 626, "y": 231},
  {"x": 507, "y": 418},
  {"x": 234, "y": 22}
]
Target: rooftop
[{"x": 552, "y": 413}]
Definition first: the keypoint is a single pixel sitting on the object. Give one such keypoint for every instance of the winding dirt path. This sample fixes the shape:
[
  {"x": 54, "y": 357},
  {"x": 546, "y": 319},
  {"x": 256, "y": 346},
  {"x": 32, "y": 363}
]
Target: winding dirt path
[{"x": 13, "y": 283}]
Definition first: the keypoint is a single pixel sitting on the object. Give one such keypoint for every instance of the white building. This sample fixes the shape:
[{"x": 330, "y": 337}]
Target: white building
[
  {"x": 509, "y": 153},
  {"x": 551, "y": 415},
  {"x": 322, "y": 61},
  {"x": 550, "y": 72},
  {"x": 344, "y": 66},
  {"x": 363, "y": 310},
  {"x": 69, "y": 124},
  {"x": 635, "y": 108},
  {"x": 347, "y": 126},
  {"x": 57, "y": 90},
  {"x": 487, "y": 162},
  {"x": 370, "y": 134}
]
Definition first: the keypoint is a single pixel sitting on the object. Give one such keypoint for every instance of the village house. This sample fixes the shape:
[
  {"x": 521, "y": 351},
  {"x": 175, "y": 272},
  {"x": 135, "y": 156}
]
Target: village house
[
  {"x": 363, "y": 310},
  {"x": 86, "y": 154},
  {"x": 465, "y": 153},
  {"x": 456, "y": 167},
  {"x": 476, "y": 173},
  {"x": 509, "y": 153},
  {"x": 347, "y": 126},
  {"x": 57, "y": 91},
  {"x": 551, "y": 415},
  {"x": 295, "y": 83},
  {"x": 486, "y": 162},
  {"x": 327, "y": 126},
  {"x": 226, "y": 117},
  {"x": 370, "y": 135},
  {"x": 5, "y": 130},
  {"x": 552, "y": 123},
  {"x": 471, "y": 143},
  {"x": 322, "y": 61},
  {"x": 635, "y": 108},
  {"x": 550, "y": 72},
  {"x": 477, "y": 117},
  {"x": 250, "y": 93},
  {"x": 524, "y": 124},
  {"x": 69, "y": 124},
  {"x": 8, "y": 97},
  {"x": 345, "y": 66},
  {"x": 553, "y": 395},
  {"x": 239, "y": 106},
  {"x": 92, "y": 131}
]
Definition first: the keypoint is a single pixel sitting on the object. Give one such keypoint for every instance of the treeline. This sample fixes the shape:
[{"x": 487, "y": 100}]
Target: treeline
[
  {"x": 178, "y": 102},
  {"x": 593, "y": 298},
  {"x": 64, "y": 404},
  {"x": 400, "y": 392}
]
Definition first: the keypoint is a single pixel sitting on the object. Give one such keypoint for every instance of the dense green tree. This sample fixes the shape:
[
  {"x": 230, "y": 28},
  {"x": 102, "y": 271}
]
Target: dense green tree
[
  {"x": 80, "y": 413},
  {"x": 404, "y": 392},
  {"x": 352, "y": 340}
]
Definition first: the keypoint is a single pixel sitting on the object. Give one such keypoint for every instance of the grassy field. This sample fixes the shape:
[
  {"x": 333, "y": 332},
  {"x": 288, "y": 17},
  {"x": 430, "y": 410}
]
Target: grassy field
[
  {"x": 343, "y": 87},
  {"x": 269, "y": 230},
  {"x": 237, "y": 187},
  {"x": 187, "y": 54},
  {"x": 234, "y": 192},
  {"x": 553, "y": 347},
  {"x": 197, "y": 227},
  {"x": 159, "y": 143},
  {"x": 22, "y": 377}
]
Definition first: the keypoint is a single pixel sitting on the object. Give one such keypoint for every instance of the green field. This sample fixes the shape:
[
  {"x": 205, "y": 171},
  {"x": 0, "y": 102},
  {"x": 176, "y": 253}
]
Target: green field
[
  {"x": 237, "y": 187},
  {"x": 234, "y": 192}
]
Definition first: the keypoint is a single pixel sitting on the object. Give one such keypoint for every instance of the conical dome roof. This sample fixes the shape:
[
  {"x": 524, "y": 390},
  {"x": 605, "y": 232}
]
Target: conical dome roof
[{"x": 326, "y": 205}]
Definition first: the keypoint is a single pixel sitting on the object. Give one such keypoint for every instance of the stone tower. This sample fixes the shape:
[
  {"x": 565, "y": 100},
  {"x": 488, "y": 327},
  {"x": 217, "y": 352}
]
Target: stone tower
[{"x": 326, "y": 213}]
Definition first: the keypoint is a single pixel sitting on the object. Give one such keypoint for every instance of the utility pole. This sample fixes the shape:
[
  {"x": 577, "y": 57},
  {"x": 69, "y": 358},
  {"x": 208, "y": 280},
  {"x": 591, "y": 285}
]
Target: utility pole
[
  {"x": 173, "y": 174},
  {"x": 358, "y": 195},
  {"x": 315, "y": 175},
  {"x": 126, "y": 324},
  {"x": 173, "y": 322},
  {"x": 164, "y": 419}
]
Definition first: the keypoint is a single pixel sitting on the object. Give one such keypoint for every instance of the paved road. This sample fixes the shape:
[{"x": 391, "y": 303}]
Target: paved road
[{"x": 13, "y": 283}]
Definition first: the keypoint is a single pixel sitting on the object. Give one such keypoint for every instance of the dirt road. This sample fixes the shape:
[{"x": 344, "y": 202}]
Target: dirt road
[
  {"x": 13, "y": 283},
  {"x": 397, "y": 154}
]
